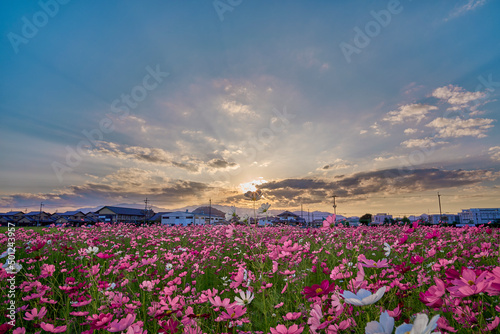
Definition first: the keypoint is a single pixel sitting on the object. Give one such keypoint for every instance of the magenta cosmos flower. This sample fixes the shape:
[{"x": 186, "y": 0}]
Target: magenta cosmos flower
[
  {"x": 281, "y": 329},
  {"x": 51, "y": 328},
  {"x": 317, "y": 290},
  {"x": 469, "y": 283}
]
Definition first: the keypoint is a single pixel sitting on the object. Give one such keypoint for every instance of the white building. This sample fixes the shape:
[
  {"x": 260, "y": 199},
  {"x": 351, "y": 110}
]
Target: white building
[
  {"x": 444, "y": 218},
  {"x": 479, "y": 216},
  {"x": 180, "y": 218},
  {"x": 379, "y": 218}
]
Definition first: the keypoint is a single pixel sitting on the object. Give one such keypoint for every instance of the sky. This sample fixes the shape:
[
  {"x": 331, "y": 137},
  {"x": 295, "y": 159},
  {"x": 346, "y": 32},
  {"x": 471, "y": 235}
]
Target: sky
[{"x": 380, "y": 103}]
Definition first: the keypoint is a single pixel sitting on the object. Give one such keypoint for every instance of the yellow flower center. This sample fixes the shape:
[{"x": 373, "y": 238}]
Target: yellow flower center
[
  {"x": 470, "y": 282},
  {"x": 329, "y": 318},
  {"x": 233, "y": 315},
  {"x": 375, "y": 264},
  {"x": 319, "y": 290}
]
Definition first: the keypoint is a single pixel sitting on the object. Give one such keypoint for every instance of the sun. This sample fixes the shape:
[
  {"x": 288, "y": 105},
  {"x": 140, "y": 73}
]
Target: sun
[{"x": 252, "y": 185}]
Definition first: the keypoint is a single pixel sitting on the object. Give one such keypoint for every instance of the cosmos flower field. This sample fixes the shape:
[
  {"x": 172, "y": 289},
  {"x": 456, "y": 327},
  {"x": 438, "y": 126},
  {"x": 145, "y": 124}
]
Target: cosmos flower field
[{"x": 240, "y": 279}]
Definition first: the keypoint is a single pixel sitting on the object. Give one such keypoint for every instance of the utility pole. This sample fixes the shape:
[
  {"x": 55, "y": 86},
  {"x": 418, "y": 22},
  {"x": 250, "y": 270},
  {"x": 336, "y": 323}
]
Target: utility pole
[
  {"x": 440, "y": 213},
  {"x": 301, "y": 216},
  {"x": 40, "y": 215},
  {"x": 210, "y": 212},
  {"x": 145, "y": 210},
  {"x": 334, "y": 207}
]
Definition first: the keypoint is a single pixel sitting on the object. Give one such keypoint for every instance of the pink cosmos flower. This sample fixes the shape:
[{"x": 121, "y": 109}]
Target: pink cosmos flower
[
  {"x": 217, "y": 302},
  {"x": 371, "y": 263},
  {"x": 416, "y": 259},
  {"x": 432, "y": 297},
  {"x": 469, "y": 283},
  {"x": 329, "y": 221},
  {"x": 82, "y": 303},
  {"x": 118, "y": 326},
  {"x": 494, "y": 324},
  {"x": 79, "y": 314},
  {"x": 292, "y": 316},
  {"x": 403, "y": 239},
  {"x": 99, "y": 321},
  {"x": 281, "y": 329},
  {"x": 232, "y": 313},
  {"x": 35, "y": 314},
  {"x": 494, "y": 287},
  {"x": 318, "y": 290},
  {"x": 51, "y": 328},
  {"x": 19, "y": 330},
  {"x": 444, "y": 324},
  {"x": 48, "y": 270}
]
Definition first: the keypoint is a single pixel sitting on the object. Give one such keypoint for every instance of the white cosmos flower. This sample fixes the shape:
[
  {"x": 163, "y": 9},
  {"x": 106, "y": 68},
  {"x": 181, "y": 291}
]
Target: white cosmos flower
[
  {"x": 231, "y": 214},
  {"x": 385, "y": 326},
  {"x": 12, "y": 267},
  {"x": 387, "y": 249},
  {"x": 169, "y": 266},
  {"x": 363, "y": 297},
  {"x": 264, "y": 207},
  {"x": 421, "y": 325},
  {"x": 246, "y": 298},
  {"x": 92, "y": 250}
]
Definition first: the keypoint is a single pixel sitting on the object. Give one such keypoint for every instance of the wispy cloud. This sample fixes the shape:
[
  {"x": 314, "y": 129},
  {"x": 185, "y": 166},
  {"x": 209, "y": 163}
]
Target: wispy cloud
[
  {"x": 458, "y": 127},
  {"x": 465, "y": 8},
  {"x": 457, "y": 97},
  {"x": 410, "y": 112},
  {"x": 422, "y": 142}
]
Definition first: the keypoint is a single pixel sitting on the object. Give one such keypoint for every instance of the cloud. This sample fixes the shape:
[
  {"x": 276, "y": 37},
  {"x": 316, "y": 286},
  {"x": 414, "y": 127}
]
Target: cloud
[
  {"x": 457, "y": 127},
  {"x": 458, "y": 97},
  {"x": 494, "y": 153},
  {"x": 409, "y": 112},
  {"x": 292, "y": 192},
  {"x": 233, "y": 108},
  {"x": 159, "y": 156},
  {"x": 463, "y": 9},
  {"x": 337, "y": 164},
  {"x": 424, "y": 142},
  {"x": 410, "y": 131},
  {"x": 378, "y": 130},
  {"x": 130, "y": 185}
]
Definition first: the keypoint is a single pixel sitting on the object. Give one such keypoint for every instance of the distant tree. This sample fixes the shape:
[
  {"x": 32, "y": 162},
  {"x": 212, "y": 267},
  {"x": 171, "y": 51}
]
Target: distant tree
[
  {"x": 387, "y": 220},
  {"x": 405, "y": 220},
  {"x": 365, "y": 219}
]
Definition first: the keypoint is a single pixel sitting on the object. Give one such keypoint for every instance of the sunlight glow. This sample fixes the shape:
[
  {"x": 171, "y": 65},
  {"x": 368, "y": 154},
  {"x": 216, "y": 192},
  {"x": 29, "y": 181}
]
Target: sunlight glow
[{"x": 251, "y": 186}]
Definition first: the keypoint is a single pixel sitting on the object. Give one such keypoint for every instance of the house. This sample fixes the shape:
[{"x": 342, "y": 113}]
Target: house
[
  {"x": 446, "y": 218},
  {"x": 157, "y": 217},
  {"x": 381, "y": 218},
  {"x": 288, "y": 216},
  {"x": 13, "y": 215},
  {"x": 115, "y": 214},
  {"x": 479, "y": 216},
  {"x": 41, "y": 219},
  {"x": 180, "y": 218}
]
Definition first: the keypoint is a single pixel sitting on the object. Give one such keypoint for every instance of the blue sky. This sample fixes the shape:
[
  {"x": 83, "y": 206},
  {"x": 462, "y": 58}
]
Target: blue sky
[{"x": 383, "y": 103}]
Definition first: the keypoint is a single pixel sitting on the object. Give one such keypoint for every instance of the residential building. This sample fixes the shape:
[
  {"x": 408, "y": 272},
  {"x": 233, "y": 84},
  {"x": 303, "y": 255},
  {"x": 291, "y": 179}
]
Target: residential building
[
  {"x": 115, "y": 214},
  {"x": 180, "y": 218},
  {"x": 444, "y": 218},
  {"x": 479, "y": 216},
  {"x": 381, "y": 218}
]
